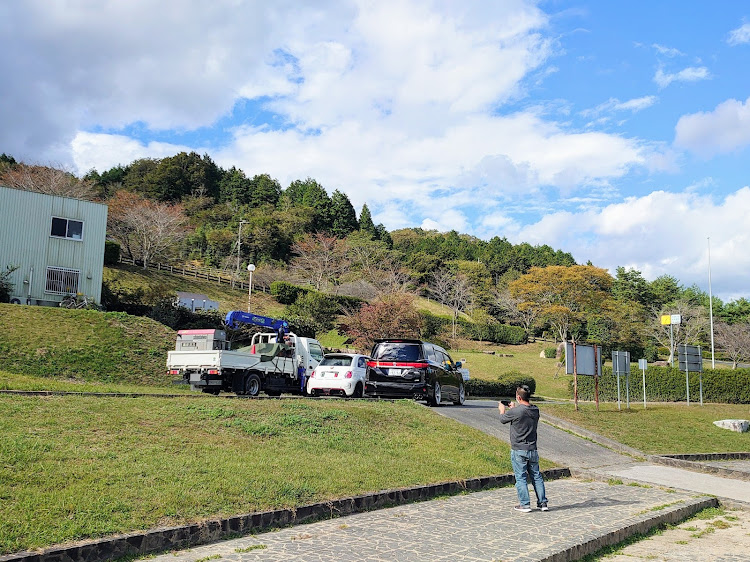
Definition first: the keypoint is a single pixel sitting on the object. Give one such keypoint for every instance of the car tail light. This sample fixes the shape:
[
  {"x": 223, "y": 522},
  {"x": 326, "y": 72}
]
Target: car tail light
[
  {"x": 174, "y": 371},
  {"x": 313, "y": 375},
  {"x": 213, "y": 371},
  {"x": 336, "y": 374},
  {"x": 348, "y": 374},
  {"x": 401, "y": 364}
]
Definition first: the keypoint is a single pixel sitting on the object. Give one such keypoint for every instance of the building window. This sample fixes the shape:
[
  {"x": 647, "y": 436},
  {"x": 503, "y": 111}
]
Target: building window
[
  {"x": 67, "y": 228},
  {"x": 62, "y": 281}
]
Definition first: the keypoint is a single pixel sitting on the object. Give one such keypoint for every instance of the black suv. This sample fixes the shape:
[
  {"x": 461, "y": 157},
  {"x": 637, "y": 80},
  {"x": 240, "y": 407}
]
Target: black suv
[{"x": 402, "y": 368}]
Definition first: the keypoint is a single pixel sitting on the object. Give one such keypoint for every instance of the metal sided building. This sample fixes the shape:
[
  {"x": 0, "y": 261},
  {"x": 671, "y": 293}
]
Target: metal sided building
[{"x": 57, "y": 244}]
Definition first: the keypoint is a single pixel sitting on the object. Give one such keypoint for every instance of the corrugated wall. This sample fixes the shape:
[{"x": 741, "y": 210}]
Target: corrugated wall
[{"x": 25, "y": 223}]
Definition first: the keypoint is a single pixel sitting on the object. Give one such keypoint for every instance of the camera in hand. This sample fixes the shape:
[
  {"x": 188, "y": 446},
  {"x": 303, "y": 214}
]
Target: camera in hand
[{"x": 505, "y": 403}]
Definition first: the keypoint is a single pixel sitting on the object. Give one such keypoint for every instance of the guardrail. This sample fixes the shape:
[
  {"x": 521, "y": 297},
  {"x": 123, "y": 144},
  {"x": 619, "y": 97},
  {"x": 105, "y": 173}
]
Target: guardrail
[{"x": 206, "y": 273}]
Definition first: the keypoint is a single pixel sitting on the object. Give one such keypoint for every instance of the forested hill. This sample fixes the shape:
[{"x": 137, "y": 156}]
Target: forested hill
[{"x": 201, "y": 211}]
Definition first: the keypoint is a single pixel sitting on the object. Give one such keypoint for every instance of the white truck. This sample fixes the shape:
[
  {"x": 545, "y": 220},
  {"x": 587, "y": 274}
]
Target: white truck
[{"x": 274, "y": 362}]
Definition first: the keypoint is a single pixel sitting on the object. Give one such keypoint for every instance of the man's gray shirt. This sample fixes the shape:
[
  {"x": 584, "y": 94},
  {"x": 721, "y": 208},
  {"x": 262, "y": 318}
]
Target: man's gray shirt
[{"x": 523, "y": 421}]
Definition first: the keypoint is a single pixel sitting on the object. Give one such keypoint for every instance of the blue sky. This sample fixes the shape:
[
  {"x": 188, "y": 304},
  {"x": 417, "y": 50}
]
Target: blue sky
[{"x": 617, "y": 131}]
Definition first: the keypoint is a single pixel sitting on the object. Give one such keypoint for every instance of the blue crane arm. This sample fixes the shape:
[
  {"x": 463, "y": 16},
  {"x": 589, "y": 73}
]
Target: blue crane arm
[{"x": 237, "y": 317}]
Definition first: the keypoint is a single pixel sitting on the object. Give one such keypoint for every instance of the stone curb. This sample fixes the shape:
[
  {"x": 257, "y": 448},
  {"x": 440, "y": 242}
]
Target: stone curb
[
  {"x": 691, "y": 462},
  {"x": 168, "y": 538},
  {"x": 594, "y": 543},
  {"x": 605, "y": 441}
]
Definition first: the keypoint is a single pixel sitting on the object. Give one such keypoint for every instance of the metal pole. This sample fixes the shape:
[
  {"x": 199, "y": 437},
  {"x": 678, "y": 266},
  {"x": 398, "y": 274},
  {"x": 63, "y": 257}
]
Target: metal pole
[
  {"x": 687, "y": 380},
  {"x": 671, "y": 345},
  {"x": 596, "y": 378},
  {"x": 250, "y": 269},
  {"x": 575, "y": 377},
  {"x": 616, "y": 367},
  {"x": 643, "y": 372},
  {"x": 700, "y": 377},
  {"x": 710, "y": 307}
]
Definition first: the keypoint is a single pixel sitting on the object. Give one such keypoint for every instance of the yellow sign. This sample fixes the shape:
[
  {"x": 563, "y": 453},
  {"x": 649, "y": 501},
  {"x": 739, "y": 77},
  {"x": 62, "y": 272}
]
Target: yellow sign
[{"x": 666, "y": 320}]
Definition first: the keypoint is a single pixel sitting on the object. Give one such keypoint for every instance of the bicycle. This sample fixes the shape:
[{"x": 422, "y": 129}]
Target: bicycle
[{"x": 75, "y": 301}]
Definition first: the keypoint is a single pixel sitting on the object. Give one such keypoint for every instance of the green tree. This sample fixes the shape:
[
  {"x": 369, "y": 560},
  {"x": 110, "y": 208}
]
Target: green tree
[
  {"x": 630, "y": 286},
  {"x": 365, "y": 221},
  {"x": 235, "y": 187},
  {"x": 665, "y": 289},
  {"x": 264, "y": 190},
  {"x": 344, "y": 218}
]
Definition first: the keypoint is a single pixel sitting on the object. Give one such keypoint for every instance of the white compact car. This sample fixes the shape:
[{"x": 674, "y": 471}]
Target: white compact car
[{"x": 339, "y": 374}]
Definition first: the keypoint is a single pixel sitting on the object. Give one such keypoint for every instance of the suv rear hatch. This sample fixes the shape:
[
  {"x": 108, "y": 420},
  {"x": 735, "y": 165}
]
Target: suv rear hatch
[{"x": 397, "y": 361}]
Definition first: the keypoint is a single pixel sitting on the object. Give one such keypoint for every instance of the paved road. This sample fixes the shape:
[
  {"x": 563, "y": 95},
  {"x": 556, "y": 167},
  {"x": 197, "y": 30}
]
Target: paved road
[{"x": 555, "y": 444}]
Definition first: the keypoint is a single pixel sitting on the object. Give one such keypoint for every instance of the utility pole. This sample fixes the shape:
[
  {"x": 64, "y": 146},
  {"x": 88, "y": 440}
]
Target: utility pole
[
  {"x": 711, "y": 305},
  {"x": 239, "y": 247}
]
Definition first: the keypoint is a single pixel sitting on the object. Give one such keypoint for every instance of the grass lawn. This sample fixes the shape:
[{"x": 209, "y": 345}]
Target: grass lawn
[
  {"x": 661, "y": 428},
  {"x": 521, "y": 358},
  {"x": 79, "y": 467},
  {"x": 161, "y": 282}
]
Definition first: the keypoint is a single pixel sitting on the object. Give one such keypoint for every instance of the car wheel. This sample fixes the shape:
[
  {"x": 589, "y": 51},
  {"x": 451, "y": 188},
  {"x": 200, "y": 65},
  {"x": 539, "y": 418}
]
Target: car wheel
[
  {"x": 252, "y": 385},
  {"x": 461, "y": 395},
  {"x": 437, "y": 395},
  {"x": 357, "y": 391}
]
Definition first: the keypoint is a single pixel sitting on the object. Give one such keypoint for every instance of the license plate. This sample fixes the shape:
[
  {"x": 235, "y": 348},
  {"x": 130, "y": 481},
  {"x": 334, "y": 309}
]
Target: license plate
[{"x": 395, "y": 372}]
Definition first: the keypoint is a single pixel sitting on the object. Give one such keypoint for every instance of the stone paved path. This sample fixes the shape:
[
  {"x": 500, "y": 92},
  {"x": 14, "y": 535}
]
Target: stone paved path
[{"x": 472, "y": 527}]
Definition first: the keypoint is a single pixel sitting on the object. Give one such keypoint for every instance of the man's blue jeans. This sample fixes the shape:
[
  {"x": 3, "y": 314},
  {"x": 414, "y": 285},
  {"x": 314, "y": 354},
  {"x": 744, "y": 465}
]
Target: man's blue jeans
[{"x": 528, "y": 462}]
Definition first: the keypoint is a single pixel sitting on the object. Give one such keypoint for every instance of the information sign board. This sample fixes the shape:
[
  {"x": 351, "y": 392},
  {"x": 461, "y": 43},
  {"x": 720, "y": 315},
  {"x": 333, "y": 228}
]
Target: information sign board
[
  {"x": 584, "y": 359},
  {"x": 689, "y": 358}
]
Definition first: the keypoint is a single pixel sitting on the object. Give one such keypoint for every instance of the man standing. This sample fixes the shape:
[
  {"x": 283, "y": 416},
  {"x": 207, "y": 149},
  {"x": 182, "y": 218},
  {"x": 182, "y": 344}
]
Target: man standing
[{"x": 523, "y": 419}]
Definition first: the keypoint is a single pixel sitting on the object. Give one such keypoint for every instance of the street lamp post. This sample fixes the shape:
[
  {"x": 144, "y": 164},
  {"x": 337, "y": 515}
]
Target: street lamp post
[{"x": 250, "y": 269}]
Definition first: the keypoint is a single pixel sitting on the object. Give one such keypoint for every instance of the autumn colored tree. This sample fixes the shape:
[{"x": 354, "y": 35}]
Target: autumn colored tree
[
  {"x": 734, "y": 340},
  {"x": 393, "y": 316},
  {"x": 146, "y": 230},
  {"x": 454, "y": 291},
  {"x": 46, "y": 179},
  {"x": 692, "y": 329},
  {"x": 562, "y": 296},
  {"x": 319, "y": 260}
]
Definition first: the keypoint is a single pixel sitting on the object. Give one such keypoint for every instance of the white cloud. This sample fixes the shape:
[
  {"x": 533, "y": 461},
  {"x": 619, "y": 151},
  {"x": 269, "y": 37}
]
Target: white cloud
[
  {"x": 673, "y": 227},
  {"x": 636, "y": 104},
  {"x": 667, "y": 51},
  {"x": 724, "y": 129},
  {"x": 102, "y": 151},
  {"x": 613, "y": 104},
  {"x": 689, "y": 74},
  {"x": 740, "y": 35}
]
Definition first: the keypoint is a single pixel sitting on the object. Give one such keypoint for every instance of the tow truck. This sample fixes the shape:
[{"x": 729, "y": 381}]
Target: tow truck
[{"x": 274, "y": 362}]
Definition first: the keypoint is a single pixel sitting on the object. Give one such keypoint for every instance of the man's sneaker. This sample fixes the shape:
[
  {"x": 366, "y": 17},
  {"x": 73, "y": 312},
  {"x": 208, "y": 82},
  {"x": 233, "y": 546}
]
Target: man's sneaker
[
  {"x": 544, "y": 507},
  {"x": 523, "y": 508}
]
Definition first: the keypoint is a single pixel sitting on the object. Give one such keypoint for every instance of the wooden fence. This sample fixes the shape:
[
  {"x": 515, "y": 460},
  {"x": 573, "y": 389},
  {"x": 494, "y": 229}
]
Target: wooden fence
[{"x": 207, "y": 273}]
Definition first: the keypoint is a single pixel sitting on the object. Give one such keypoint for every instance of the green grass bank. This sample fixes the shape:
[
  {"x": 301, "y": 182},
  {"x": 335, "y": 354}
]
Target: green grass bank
[{"x": 77, "y": 467}]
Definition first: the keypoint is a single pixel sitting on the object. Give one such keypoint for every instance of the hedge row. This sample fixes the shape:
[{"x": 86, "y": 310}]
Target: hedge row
[
  {"x": 433, "y": 325},
  {"x": 505, "y": 385},
  {"x": 495, "y": 332},
  {"x": 288, "y": 293},
  {"x": 665, "y": 384}
]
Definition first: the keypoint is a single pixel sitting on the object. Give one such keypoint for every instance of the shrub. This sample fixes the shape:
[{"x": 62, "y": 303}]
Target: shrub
[
  {"x": 286, "y": 293},
  {"x": 432, "y": 325},
  {"x": 550, "y": 352},
  {"x": 6, "y": 287},
  {"x": 493, "y": 332},
  {"x": 666, "y": 384},
  {"x": 111, "y": 252},
  {"x": 506, "y": 385}
]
